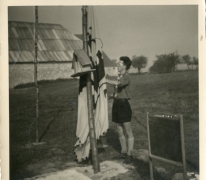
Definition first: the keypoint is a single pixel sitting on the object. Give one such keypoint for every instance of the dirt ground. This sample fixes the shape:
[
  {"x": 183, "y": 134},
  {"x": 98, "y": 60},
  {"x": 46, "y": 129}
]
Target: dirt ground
[
  {"x": 109, "y": 170},
  {"x": 173, "y": 93}
]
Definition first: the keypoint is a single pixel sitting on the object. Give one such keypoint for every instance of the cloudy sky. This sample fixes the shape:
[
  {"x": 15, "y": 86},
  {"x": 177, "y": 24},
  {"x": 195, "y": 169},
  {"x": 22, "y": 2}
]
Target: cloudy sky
[{"x": 128, "y": 30}]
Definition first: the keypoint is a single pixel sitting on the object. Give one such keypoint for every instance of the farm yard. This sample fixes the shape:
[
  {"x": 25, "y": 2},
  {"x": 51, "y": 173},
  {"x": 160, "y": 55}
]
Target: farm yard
[{"x": 169, "y": 93}]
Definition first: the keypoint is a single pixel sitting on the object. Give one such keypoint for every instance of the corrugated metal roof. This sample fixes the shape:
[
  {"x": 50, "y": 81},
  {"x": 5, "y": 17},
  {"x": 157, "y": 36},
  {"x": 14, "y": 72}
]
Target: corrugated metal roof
[
  {"x": 107, "y": 61},
  {"x": 55, "y": 43},
  {"x": 43, "y": 56},
  {"x": 18, "y": 24}
]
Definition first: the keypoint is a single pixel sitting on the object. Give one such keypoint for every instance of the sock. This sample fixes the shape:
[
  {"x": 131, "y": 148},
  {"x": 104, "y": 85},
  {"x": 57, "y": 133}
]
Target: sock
[
  {"x": 102, "y": 142},
  {"x": 123, "y": 144},
  {"x": 130, "y": 145}
]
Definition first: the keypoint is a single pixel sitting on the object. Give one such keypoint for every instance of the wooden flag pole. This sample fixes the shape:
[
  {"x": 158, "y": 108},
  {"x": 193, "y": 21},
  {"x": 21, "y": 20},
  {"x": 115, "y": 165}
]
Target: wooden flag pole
[
  {"x": 92, "y": 133},
  {"x": 35, "y": 75}
]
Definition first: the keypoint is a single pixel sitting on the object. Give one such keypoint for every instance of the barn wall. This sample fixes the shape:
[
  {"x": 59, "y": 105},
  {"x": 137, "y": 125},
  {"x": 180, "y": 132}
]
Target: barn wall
[
  {"x": 112, "y": 71},
  {"x": 24, "y": 73}
]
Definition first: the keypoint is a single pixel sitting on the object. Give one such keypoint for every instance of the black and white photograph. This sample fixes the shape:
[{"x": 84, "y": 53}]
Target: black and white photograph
[{"x": 103, "y": 91}]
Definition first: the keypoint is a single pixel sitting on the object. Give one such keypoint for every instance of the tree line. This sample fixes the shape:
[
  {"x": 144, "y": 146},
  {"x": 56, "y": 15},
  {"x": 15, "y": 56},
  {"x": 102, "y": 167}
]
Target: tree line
[{"x": 164, "y": 63}]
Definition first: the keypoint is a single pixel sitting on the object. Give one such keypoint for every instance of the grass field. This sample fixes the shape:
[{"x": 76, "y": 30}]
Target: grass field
[{"x": 173, "y": 93}]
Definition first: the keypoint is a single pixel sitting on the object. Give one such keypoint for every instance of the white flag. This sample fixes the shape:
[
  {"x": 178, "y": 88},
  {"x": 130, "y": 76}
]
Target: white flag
[{"x": 99, "y": 91}]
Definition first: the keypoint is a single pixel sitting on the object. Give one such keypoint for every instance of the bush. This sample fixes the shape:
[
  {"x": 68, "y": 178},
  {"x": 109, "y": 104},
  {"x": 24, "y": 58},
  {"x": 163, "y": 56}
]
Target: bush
[{"x": 165, "y": 63}]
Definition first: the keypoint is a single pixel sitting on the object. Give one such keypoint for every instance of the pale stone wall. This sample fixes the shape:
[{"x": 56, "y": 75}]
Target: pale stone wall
[
  {"x": 24, "y": 73},
  {"x": 112, "y": 71}
]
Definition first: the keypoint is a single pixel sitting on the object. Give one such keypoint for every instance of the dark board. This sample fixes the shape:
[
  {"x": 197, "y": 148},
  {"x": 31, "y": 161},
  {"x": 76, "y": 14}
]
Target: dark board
[{"x": 165, "y": 137}]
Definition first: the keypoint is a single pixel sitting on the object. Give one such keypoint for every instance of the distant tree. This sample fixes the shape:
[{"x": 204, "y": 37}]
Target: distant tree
[
  {"x": 187, "y": 60},
  {"x": 165, "y": 63},
  {"x": 195, "y": 62},
  {"x": 173, "y": 61},
  {"x": 139, "y": 62}
]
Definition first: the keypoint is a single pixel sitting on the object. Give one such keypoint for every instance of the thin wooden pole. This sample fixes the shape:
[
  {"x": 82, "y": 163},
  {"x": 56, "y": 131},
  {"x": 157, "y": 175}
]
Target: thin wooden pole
[
  {"x": 84, "y": 28},
  {"x": 92, "y": 133},
  {"x": 35, "y": 74},
  {"x": 183, "y": 147},
  {"x": 166, "y": 160},
  {"x": 149, "y": 149}
]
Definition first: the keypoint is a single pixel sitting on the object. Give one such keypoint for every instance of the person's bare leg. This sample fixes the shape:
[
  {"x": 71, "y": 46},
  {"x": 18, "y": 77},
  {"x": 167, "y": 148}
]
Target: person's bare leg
[{"x": 130, "y": 141}]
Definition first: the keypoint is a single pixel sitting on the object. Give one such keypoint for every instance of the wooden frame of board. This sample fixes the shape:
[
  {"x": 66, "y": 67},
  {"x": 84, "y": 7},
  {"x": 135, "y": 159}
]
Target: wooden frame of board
[{"x": 171, "y": 145}]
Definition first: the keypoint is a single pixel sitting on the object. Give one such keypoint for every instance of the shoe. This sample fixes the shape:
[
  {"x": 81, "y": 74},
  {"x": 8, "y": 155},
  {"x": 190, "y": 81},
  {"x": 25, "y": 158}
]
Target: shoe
[
  {"x": 121, "y": 156},
  {"x": 128, "y": 160}
]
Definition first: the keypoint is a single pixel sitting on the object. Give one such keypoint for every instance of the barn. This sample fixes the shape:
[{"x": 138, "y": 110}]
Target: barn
[{"x": 55, "y": 52}]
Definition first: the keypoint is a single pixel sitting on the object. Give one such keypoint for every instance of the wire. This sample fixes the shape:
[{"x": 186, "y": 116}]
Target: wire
[
  {"x": 17, "y": 42},
  {"x": 30, "y": 129}
]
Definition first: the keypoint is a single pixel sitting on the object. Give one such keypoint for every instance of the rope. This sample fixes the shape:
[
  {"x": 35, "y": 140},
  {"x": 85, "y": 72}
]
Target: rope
[
  {"x": 15, "y": 61},
  {"x": 17, "y": 42},
  {"x": 29, "y": 132},
  {"x": 100, "y": 40},
  {"x": 74, "y": 105},
  {"x": 96, "y": 22},
  {"x": 97, "y": 26}
]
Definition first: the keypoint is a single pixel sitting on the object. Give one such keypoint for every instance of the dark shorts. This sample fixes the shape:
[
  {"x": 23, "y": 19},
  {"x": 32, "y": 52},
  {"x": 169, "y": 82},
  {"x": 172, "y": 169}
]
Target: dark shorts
[{"x": 121, "y": 111}]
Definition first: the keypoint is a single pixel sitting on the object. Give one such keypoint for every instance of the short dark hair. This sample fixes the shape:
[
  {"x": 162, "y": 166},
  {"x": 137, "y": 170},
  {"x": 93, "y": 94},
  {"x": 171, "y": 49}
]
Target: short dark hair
[{"x": 126, "y": 61}]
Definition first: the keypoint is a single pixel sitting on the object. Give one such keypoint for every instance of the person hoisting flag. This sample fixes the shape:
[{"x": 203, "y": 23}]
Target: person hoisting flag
[{"x": 99, "y": 93}]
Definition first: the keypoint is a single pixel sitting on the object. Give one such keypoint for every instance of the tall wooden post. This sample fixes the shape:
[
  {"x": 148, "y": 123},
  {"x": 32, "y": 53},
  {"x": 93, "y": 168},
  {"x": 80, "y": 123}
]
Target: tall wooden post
[
  {"x": 35, "y": 74},
  {"x": 183, "y": 147},
  {"x": 92, "y": 134},
  {"x": 149, "y": 149}
]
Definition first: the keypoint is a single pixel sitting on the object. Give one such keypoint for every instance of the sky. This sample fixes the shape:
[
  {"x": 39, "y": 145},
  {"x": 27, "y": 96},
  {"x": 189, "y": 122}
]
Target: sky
[{"x": 147, "y": 30}]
